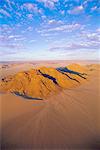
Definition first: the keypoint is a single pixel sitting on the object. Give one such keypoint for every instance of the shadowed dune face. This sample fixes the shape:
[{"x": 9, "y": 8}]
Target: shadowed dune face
[
  {"x": 66, "y": 71},
  {"x": 49, "y": 77},
  {"x": 42, "y": 82},
  {"x": 26, "y": 97}
]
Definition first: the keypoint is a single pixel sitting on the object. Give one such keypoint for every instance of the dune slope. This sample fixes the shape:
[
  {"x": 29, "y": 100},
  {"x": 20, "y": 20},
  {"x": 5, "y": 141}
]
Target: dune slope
[{"x": 42, "y": 82}]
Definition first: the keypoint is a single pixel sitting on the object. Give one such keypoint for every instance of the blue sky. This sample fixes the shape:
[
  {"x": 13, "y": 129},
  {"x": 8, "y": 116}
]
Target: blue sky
[{"x": 49, "y": 29}]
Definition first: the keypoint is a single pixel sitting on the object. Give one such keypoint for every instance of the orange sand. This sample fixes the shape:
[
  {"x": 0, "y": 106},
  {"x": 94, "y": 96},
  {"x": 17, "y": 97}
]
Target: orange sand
[{"x": 67, "y": 120}]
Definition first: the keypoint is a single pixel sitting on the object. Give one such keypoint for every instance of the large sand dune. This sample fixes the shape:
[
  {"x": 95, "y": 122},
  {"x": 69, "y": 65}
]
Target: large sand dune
[
  {"x": 43, "y": 81},
  {"x": 67, "y": 120}
]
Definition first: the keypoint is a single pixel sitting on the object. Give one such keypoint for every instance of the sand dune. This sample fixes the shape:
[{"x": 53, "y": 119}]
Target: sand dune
[
  {"x": 77, "y": 68},
  {"x": 67, "y": 120},
  {"x": 9, "y": 68},
  {"x": 12, "y": 69},
  {"x": 43, "y": 81}
]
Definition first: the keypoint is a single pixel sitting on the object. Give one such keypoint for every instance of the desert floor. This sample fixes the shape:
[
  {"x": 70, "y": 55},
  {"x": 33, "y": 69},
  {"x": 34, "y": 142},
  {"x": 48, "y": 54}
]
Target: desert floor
[{"x": 69, "y": 120}]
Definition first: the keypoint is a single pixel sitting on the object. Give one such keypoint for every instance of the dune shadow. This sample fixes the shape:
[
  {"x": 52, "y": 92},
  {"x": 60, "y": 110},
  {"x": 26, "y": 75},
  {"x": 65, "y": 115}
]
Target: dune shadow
[
  {"x": 27, "y": 97},
  {"x": 69, "y": 77},
  {"x": 66, "y": 70},
  {"x": 49, "y": 77}
]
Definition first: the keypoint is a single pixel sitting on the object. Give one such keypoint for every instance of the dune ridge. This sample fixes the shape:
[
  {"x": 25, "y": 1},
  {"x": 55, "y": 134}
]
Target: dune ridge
[{"x": 44, "y": 81}]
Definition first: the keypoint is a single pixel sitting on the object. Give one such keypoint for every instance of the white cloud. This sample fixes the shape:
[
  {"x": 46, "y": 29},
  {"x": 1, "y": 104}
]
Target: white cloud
[
  {"x": 87, "y": 41},
  {"x": 76, "y": 10},
  {"x": 54, "y": 22},
  {"x": 12, "y": 46},
  {"x": 32, "y": 41},
  {"x": 29, "y": 6},
  {"x": 51, "y": 21},
  {"x": 32, "y": 8},
  {"x": 61, "y": 28},
  {"x": 62, "y": 12},
  {"x": 76, "y": 46},
  {"x": 48, "y": 3},
  {"x": 98, "y": 30},
  {"x": 92, "y": 36},
  {"x": 30, "y": 28},
  {"x": 30, "y": 16},
  {"x": 4, "y": 12},
  {"x": 95, "y": 8}
]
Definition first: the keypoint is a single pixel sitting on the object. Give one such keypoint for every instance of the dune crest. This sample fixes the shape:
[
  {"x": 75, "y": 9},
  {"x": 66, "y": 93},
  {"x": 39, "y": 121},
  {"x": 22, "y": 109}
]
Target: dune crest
[
  {"x": 77, "y": 68},
  {"x": 43, "y": 81}
]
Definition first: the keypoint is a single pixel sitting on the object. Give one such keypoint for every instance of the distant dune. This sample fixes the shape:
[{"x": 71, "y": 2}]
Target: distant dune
[
  {"x": 51, "y": 108},
  {"x": 13, "y": 67}
]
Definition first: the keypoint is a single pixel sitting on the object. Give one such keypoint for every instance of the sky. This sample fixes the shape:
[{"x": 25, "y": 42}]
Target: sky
[{"x": 49, "y": 30}]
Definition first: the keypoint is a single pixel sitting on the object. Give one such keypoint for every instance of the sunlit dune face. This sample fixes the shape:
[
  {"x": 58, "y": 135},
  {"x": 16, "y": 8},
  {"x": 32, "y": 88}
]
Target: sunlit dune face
[{"x": 43, "y": 81}]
